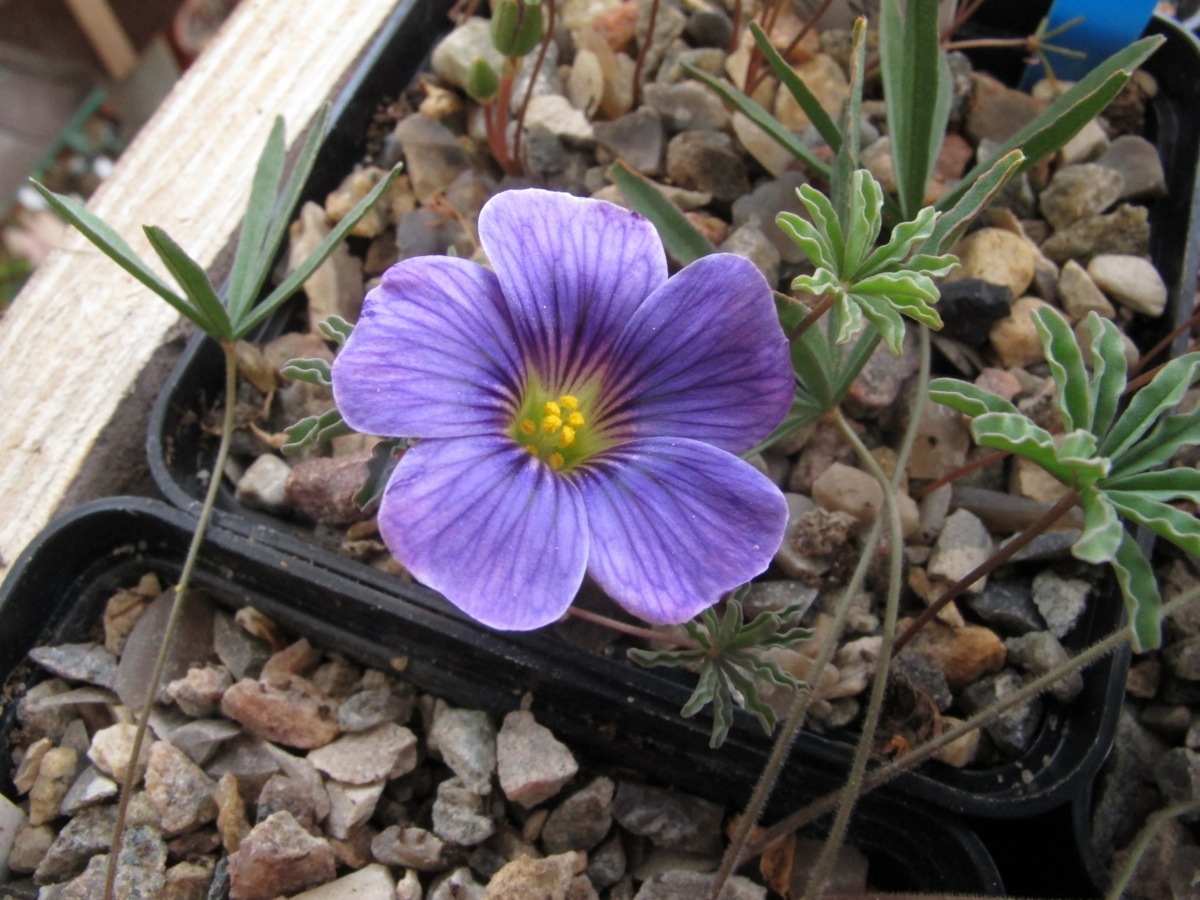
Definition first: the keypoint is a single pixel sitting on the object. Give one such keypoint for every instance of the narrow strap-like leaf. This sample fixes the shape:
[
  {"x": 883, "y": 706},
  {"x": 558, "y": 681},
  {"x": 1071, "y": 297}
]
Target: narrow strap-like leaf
[
  {"x": 971, "y": 201},
  {"x": 679, "y": 236},
  {"x": 968, "y": 398},
  {"x": 763, "y": 119},
  {"x": 250, "y": 259},
  {"x": 1102, "y": 530},
  {"x": 1178, "y": 527},
  {"x": 916, "y": 89},
  {"x": 115, "y": 248},
  {"x": 1109, "y": 368},
  {"x": 302, "y": 272},
  {"x": 1063, "y": 118},
  {"x": 1169, "y": 436},
  {"x": 193, "y": 280},
  {"x": 846, "y": 159},
  {"x": 798, "y": 89},
  {"x": 1155, "y": 399},
  {"x": 1066, "y": 367},
  {"x": 1181, "y": 483},
  {"x": 1140, "y": 591}
]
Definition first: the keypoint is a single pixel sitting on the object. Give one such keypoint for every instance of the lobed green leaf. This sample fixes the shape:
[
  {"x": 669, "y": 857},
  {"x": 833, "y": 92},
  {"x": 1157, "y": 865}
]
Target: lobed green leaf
[
  {"x": 1108, "y": 372},
  {"x": 808, "y": 238},
  {"x": 1140, "y": 592},
  {"x": 885, "y": 318},
  {"x": 904, "y": 239},
  {"x": 311, "y": 370},
  {"x": 1102, "y": 531},
  {"x": 336, "y": 329},
  {"x": 1017, "y": 434},
  {"x": 865, "y": 222},
  {"x": 1170, "y": 435},
  {"x": 1066, "y": 367},
  {"x": 314, "y": 430},
  {"x": 1165, "y": 485},
  {"x": 1178, "y": 527},
  {"x": 679, "y": 236},
  {"x": 1160, "y": 396},
  {"x": 967, "y": 398},
  {"x": 825, "y": 219}
]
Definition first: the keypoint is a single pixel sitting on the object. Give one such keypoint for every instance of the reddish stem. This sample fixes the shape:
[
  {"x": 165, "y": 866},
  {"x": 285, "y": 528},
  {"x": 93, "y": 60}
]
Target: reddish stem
[
  {"x": 811, "y": 319},
  {"x": 1166, "y": 342},
  {"x": 967, "y": 469},
  {"x": 636, "y": 88},
  {"x": 537, "y": 67}
]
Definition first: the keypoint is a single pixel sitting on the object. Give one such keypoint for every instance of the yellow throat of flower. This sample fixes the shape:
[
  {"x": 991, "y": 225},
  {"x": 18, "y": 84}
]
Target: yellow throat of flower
[{"x": 554, "y": 431}]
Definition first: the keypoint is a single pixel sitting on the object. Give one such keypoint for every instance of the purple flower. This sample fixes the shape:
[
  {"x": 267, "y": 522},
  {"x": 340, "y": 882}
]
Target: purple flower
[{"x": 578, "y": 412}]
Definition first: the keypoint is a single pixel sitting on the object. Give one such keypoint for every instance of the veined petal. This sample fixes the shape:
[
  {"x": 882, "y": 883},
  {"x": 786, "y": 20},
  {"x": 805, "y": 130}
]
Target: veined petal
[
  {"x": 494, "y": 530},
  {"x": 704, "y": 357},
  {"x": 433, "y": 354},
  {"x": 677, "y": 523},
  {"x": 573, "y": 271}
]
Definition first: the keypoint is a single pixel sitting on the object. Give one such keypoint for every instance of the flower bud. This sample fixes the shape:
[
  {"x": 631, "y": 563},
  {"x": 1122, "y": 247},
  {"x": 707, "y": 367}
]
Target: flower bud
[
  {"x": 482, "y": 83},
  {"x": 516, "y": 26}
]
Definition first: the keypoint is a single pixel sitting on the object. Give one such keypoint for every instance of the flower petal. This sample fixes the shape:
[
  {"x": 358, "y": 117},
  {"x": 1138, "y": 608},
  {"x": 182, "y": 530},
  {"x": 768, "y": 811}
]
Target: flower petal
[
  {"x": 675, "y": 524},
  {"x": 432, "y": 355},
  {"x": 490, "y": 527},
  {"x": 573, "y": 270},
  {"x": 705, "y": 358}
]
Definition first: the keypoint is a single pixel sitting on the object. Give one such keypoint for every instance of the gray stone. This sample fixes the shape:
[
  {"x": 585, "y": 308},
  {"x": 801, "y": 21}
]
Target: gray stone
[
  {"x": 278, "y": 857},
  {"x": 1007, "y": 605},
  {"x": 411, "y": 847},
  {"x": 1172, "y": 722},
  {"x": 369, "y": 708},
  {"x": 459, "y": 816},
  {"x": 709, "y": 28},
  {"x": 458, "y": 884},
  {"x": 750, "y": 242},
  {"x": 669, "y": 818},
  {"x": 179, "y": 789},
  {"x": 606, "y": 864},
  {"x": 555, "y": 113},
  {"x": 689, "y": 885},
  {"x": 457, "y": 51},
  {"x": 242, "y": 653},
  {"x": 432, "y": 155},
  {"x": 1132, "y": 281},
  {"x": 768, "y": 199},
  {"x": 283, "y": 793},
  {"x": 1014, "y": 729},
  {"x": 1078, "y": 191},
  {"x": 687, "y": 106},
  {"x": 969, "y": 307},
  {"x": 385, "y": 751},
  {"x": 1177, "y": 774},
  {"x": 1061, "y": 601},
  {"x": 1183, "y": 658},
  {"x": 201, "y": 738},
  {"x": 1079, "y": 295},
  {"x": 582, "y": 820},
  {"x": 350, "y": 805},
  {"x": 707, "y": 161},
  {"x": 532, "y": 764},
  {"x": 1139, "y": 164},
  {"x": 84, "y": 836},
  {"x": 88, "y": 662},
  {"x": 920, "y": 678},
  {"x": 776, "y": 596},
  {"x": 199, "y": 692},
  {"x": 963, "y": 544},
  {"x": 88, "y": 789},
  {"x": 1123, "y": 798},
  {"x": 466, "y": 739},
  {"x": 1125, "y": 230},
  {"x": 1037, "y": 653},
  {"x": 141, "y": 869},
  {"x": 637, "y": 138}
]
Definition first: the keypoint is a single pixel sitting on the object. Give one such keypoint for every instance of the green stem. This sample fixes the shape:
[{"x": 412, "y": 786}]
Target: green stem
[
  {"x": 915, "y": 757},
  {"x": 1138, "y": 848},
  {"x": 1062, "y": 506},
  {"x": 862, "y": 751},
  {"x": 177, "y": 603},
  {"x": 647, "y": 634}
]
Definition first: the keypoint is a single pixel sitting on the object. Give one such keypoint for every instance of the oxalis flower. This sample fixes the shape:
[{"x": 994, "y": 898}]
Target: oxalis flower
[{"x": 578, "y": 412}]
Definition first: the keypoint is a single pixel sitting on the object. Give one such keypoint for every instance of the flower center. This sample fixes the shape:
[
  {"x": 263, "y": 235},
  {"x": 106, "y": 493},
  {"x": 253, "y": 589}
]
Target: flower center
[{"x": 554, "y": 431}]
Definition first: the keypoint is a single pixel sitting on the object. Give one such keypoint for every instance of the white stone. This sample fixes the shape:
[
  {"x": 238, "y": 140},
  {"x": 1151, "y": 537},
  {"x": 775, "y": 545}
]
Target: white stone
[
  {"x": 373, "y": 882},
  {"x": 350, "y": 806},
  {"x": 1132, "y": 281},
  {"x": 555, "y": 113}
]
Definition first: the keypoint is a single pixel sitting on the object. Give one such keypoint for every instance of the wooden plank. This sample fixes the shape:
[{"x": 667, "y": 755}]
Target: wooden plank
[
  {"x": 77, "y": 337},
  {"x": 98, "y": 21}
]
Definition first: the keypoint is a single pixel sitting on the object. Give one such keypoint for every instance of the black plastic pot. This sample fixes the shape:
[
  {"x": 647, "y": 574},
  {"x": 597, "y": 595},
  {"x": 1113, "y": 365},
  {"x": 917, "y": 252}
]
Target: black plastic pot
[
  {"x": 57, "y": 589},
  {"x": 1073, "y": 739}
]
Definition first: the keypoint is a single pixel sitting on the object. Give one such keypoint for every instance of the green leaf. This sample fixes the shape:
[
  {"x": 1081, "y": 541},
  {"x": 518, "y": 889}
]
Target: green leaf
[
  {"x": 250, "y": 260},
  {"x": 1066, "y": 367},
  {"x": 1108, "y": 372},
  {"x": 808, "y": 238},
  {"x": 1160, "y": 396},
  {"x": 821, "y": 282},
  {"x": 1165, "y": 485},
  {"x": 1102, "y": 532},
  {"x": 296, "y": 279},
  {"x": 311, "y": 370},
  {"x": 825, "y": 218},
  {"x": 1178, "y": 527},
  {"x": 115, "y": 248},
  {"x": 1017, "y": 434},
  {"x": 916, "y": 90},
  {"x": 865, "y": 222},
  {"x": 336, "y": 329},
  {"x": 846, "y": 158},
  {"x": 679, "y": 236},
  {"x": 1170, "y": 435},
  {"x": 193, "y": 280},
  {"x": 795, "y": 85},
  {"x": 887, "y": 322},
  {"x": 904, "y": 238},
  {"x": 1140, "y": 591},
  {"x": 384, "y": 457},
  {"x": 763, "y": 119},
  {"x": 967, "y": 398},
  {"x": 1062, "y": 119},
  {"x": 313, "y": 430},
  {"x": 971, "y": 200}
]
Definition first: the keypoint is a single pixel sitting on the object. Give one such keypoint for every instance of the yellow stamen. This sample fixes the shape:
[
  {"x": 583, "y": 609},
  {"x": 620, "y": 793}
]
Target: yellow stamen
[
  {"x": 527, "y": 426},
  {"x": 532, "y": 449},
  {"x": 551, "y": 423},
  {"x": 569, "y": 401},
  {"x": 556, "y": 461},
  {"x": 568, "y": 436},
  {"x": 552, "y": 408},
  {"x": 575, "y": 420}
]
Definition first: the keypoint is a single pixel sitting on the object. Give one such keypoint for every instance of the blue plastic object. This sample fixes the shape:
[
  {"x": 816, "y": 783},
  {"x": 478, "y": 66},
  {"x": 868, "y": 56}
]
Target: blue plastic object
[{"x": 1106, "y": 27}]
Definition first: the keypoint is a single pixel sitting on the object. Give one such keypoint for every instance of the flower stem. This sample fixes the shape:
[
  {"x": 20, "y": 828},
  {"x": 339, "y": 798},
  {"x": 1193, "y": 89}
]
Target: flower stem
[
  {"x": 1137, "y": 849},
  {"x": 918, "y": 755},
  {"x": 811, "y": 319},
  {"x": 177, "y": 604},
  {"x": 537, "y": 67},
  {"x": 1064, "y": 504},
  {"x": 636, "y": 88},
  {"x": 648, "y": 634},
  {"x": 975, "y": 465}
]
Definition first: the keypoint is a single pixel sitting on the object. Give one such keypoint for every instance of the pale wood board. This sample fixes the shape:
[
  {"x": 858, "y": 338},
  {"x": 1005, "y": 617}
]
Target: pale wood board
[{"x": 78, "y": 335}]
